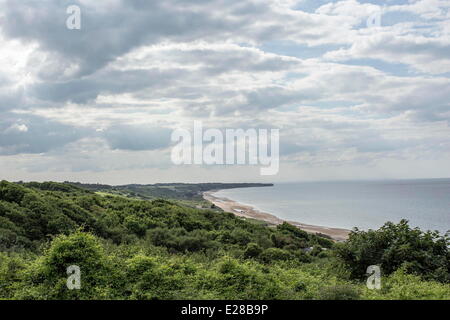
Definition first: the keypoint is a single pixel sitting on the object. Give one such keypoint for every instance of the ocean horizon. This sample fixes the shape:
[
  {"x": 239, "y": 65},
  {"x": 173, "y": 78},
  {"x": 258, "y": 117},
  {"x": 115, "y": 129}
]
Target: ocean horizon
[{"x": 425, "y": 203}]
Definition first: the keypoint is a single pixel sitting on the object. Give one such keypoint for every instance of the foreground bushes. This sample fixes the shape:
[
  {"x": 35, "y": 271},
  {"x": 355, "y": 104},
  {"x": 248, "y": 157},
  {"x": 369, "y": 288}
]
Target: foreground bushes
[
  {"x": 46, "y": 277},
  {"x": 111, "y": 271},
  {"x": 397, "y": 246}
]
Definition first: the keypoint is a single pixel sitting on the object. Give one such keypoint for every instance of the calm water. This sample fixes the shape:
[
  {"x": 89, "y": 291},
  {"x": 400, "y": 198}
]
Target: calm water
[{"x": 366, "y": 205}]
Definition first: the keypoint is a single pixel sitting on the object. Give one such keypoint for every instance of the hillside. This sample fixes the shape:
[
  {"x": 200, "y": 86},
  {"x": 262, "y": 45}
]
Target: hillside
[
  {"x": 179, "y": 191},
  {"x": 129, "y": 248}
]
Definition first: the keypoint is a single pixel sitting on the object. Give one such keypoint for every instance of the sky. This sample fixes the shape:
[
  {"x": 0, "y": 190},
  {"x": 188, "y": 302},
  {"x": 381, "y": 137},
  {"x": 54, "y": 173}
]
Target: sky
[{"x": 358, "y": 89}]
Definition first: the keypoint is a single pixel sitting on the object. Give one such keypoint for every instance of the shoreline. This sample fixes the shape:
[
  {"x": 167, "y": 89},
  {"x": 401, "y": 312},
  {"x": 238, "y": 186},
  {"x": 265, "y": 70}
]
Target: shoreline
[{"x": 246, "y": 211}]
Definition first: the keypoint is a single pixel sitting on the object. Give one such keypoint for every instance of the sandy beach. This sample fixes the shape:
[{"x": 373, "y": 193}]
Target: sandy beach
[{"x": 249, "y": 212}]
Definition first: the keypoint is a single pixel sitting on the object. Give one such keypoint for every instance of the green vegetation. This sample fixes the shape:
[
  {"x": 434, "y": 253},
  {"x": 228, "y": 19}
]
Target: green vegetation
[
  {"x": 173, "y": 191},
  {"x": 396, "y": 247},
  {"x": 128, "y": 248}
]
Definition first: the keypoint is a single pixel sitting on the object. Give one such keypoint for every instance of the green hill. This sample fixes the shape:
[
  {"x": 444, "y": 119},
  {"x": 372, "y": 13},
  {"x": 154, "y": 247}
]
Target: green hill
[{"x": 179, "y": 191}]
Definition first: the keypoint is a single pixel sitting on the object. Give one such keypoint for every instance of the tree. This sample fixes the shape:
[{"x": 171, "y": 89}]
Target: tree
[
  {"x": 47, "y": 277},
  {"x": 253, "y": 250},
  {"x": 396, "y": 246}
]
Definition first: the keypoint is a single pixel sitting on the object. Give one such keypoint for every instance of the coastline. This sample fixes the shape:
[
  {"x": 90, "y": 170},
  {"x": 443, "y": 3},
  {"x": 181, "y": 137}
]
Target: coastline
[{"x": 247, "y": 211}]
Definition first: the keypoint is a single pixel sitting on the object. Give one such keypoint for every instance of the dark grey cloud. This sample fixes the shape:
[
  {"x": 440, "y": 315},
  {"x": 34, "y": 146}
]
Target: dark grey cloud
[
  {"x": 228, "y": 59},
  {"x": 175, "y": 82},
  {"x": 109, "y": 30},
  {"x": 290, "y": 148},
  {"x": 137, "y": 137},
  {"x": 33, "y": 134},
  {"x": 433, "y": 98},
  {"x": 88, "y": 88},
  {"x": 11, "y": 98}
]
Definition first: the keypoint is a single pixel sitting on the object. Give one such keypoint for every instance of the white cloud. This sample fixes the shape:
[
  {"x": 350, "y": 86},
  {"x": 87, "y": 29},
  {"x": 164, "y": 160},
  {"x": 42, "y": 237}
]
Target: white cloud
[{"x": 428, "y": 55}]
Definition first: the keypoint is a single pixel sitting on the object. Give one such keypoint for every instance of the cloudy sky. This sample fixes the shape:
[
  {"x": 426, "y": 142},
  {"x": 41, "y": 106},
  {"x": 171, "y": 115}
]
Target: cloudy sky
[{"x": 352, "y": 100}]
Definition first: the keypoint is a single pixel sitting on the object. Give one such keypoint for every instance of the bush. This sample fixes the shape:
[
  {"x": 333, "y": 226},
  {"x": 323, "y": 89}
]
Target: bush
[
  {"x": 339, "y": 292},
  {"x": 237, "y": 280},
  {"x": 275, "y": 254},
  {"x": 47, "y": 277},
  {"x": 150, "y": 280},
  {"x": 316, "y": 251},
  {"x": 293, "y": 230},
  {"x": 11, "y": 192},
  {"x": 396, "y": 246},
  {"x": 323, "y": 242},
  {"x": 252, "y": 251},
  {"x": 11, "y": 267},
  {"x": 403, "y": 286}
]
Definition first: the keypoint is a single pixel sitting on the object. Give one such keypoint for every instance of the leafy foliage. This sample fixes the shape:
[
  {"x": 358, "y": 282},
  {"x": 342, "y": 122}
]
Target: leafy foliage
[
  {"x": 134, "y": 249},
  {"x": 397, "y": 246}
]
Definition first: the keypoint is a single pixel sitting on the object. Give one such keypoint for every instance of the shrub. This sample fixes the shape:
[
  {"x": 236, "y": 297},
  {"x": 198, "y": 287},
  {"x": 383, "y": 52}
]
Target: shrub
[
  {"x": 316, "y": 251},
  {"x": 47, "y": 277},
  {"x": 11, "y": 267},
  {"x": 149, "y": 279},
  {"x": 292, "y": 230},
  {"x": 339, "y": 292},
  {"x": 237, "y": 280},
  {"x": 11, "y": 192},
  {"x": 403, "y": 286},
  {"x": 396, "y": 246},
  {"x": 253, "y": 250},
  {"x": 275, "y": 254}
]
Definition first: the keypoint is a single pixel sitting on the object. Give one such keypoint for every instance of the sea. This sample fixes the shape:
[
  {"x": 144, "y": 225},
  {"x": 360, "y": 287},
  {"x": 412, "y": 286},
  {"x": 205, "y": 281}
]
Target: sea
[{"x": 348, "y": 204}]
